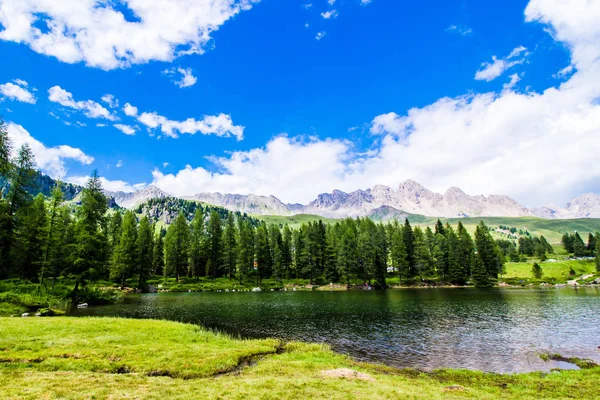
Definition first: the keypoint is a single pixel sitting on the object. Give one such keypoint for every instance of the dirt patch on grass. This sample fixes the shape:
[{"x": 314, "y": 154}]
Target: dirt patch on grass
[{"x": 346, "y": 373}]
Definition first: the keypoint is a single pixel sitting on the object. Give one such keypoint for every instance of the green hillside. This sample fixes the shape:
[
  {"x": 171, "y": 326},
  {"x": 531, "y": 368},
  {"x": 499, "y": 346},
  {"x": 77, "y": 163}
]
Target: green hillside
[{"x": 552, "y": 229}]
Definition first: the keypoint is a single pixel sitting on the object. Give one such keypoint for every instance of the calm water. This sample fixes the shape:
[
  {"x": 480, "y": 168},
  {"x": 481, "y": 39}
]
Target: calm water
[{"x": 491, "y": 330}]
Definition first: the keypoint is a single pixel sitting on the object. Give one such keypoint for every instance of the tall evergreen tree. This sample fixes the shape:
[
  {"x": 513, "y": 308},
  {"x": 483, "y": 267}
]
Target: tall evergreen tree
[
  {"x": 578, "y": 246},
  {"x": 145, "y": 247},
  {"x": 126, "y": 256},
  {"x": 32, "y": 234},
  {"x": 591, "y": 244},
  {"x": 21, "y": 179},
  {"x": 263, "y": 253},
  {"x": 158, "y": 264},
  {"x": 176, "y": 247},
  {"x": 245, "y": 249},
  {"x": 286, "y": 251},
  {"x": 481, "y": 276},
  {"x": 409, "y": 243},
  {"x": 229, "y": 246},
  {"x": 52, "y": 233},
  {"x": 90, "y": 243},
  {"x": 215, "y": 245},
  {"x": 398, "y": 252},
  {"x": 197, "y": 245}
]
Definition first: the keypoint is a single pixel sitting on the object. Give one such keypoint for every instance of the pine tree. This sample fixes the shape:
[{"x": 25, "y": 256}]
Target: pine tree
[
  {"x": 197, "y": 244},
  {"x": 126, "y": 255},
  {"x": 591, "y": 245},
  {"x": 145, "y": 247},
  {"x": 488, "y": 251},
  {"x": 409, "y": 243},
  {"x": 480, "y": 274},
  {"x": 21, "y": 178},
  {"x": 158, "y": 264},
  {"x": 567, "y": 242},
  {"x": 398, "y": 252},
  {"x": 348, "y": 251},
  {"x": 456, "y": 271},
  {"x": 176, "y": 247},
  {"x": 381, "y": 257},
  {"x": 578, "y": 246},
  {"x": 286, "y": 251},
  {"x": 263, "y": 253},
  {"x": 32, "y": 234},
  {"x": 215, "y": 245},
  {"x": 51, "y": 233},
  {"x": 5, "y": 150},
  {"x": 229, "y": 246},
  {"x": 114, "y": 230},
  {"x": 536, "y": 270},
  {"x": 423, "y": 259},
  {"x": 89, "y": 242},
  {"x": 466, "y": 252},
  {"x": 245, "y": 249}
]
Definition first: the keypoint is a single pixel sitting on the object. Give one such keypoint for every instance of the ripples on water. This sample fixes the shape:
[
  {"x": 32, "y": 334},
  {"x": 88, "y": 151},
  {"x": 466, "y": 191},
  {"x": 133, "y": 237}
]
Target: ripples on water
[{"x": 491, "y": 330}]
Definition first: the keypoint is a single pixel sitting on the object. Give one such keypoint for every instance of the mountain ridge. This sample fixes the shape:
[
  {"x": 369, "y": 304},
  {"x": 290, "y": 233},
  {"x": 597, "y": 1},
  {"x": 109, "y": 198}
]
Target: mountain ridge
[{"x": 409, "y": 198}]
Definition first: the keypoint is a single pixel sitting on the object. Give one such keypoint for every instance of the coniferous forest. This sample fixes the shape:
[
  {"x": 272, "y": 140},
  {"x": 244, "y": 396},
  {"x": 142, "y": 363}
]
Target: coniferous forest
[{"x": 44, "y": 239}]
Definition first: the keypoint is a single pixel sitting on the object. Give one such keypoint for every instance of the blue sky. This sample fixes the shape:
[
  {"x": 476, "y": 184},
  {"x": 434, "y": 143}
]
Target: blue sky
[{"x": 295, "y": 100}]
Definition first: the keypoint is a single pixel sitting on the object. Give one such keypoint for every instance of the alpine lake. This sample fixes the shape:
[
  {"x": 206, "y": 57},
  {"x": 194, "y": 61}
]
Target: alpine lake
[{"x": 499, "y": 330}]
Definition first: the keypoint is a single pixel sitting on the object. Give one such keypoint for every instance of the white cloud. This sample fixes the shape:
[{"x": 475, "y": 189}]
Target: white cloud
[
  {"x": 320, "y": 35},
  {"x": 119, "y": 164},
  {"x": 329, "y": 14},
  {"x": 459, "y": 29},
  {"x": 17, "y": 92},
  {"x": 564, "y": 72},
  {"x": 186, "y": 79},
  {"x": 497, "y": 67},
  {"x": 126, "y": 129},
  {"x": 130, "y": 110},
  {"x": 165, "y": 164},
  {"x": 98, "y": 34},
  {"x": 21, "y": 82},
  {"x": 109, "y": 185},
  {"x": 538, "y": 147},
  {"x": 220, "y": 125},
  {"x": 514, "y": 78},
  {"x": 266, "y": 170},
  {"x": 110, "y": 100},
  {"x": 365, "y": 2},
  {"x": 90, "y": 108},
  {"x": 51, "y": 160},
  {"x": 307, "y": 5},
  {"x": 331, "y": 2}
]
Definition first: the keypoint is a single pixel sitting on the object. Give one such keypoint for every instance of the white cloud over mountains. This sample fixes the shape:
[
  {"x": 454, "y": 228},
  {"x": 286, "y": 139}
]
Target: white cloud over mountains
[
  {"x": 17, "y": 91},
  {"x": 115, "y": 34},
  {"x": 51, "y": 160},
  {"x": 537, "y": 147}
]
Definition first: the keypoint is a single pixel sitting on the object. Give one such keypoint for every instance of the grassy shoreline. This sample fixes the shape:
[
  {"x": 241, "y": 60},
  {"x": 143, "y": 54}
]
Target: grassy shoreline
[{"x": 65, "y": 357}]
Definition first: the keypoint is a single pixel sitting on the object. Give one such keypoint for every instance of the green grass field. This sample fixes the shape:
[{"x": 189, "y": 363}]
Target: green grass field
[{"x": 74, "y": 358}]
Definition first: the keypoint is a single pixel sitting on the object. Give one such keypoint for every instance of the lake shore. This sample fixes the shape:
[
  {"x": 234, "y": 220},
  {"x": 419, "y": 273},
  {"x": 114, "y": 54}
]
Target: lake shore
[{"x": 65, "y": 357}]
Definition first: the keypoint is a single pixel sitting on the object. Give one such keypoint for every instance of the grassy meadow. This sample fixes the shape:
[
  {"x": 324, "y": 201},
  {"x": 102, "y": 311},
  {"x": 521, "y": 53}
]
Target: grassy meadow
[{"x": 73, "y": 358}]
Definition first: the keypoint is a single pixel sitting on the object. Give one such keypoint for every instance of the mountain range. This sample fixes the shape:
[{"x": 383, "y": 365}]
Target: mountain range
[{"x": 409, "y": 198}]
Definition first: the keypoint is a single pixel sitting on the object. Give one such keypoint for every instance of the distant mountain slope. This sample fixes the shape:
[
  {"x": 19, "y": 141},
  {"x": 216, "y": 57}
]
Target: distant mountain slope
[{"x": 380, "y": 202}]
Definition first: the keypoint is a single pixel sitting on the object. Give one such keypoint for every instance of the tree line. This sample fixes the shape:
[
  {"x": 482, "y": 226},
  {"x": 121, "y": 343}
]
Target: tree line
[{"x": 44, "y": 238}]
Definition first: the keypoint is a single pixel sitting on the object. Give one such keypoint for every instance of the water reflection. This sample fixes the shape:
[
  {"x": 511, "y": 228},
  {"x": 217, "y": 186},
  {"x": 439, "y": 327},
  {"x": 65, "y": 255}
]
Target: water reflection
[{"x": 492, "y": 330}]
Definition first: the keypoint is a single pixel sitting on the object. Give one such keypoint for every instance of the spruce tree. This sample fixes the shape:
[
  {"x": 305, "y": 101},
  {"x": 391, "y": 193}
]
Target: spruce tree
[
  {"x": 145, "y": 248},
  {"x": 398, "y": 252},
  {"x": 536, "y": 270},
  {"x": 176, "y": 247},
  {"x": 51, "y": 233},
  {"x": 409, "y": 243},
  {"x": 591, "y": 245},
  {"x": 89, "y": 241},
  {"x": 245, "y": 249},
  {"x": 214, "y": 245},
  {"x": 126, "y": 255},
  {"x": 229, "y": 246},
  {"x": 32, "y": 235},
  {"x": 578, "y": 246},
  {"x": 158, "y": 264},
  {"x": 481, "y": 277},
  {"x": 286, "y": 251},
  {"x": 198, "y": 243}
]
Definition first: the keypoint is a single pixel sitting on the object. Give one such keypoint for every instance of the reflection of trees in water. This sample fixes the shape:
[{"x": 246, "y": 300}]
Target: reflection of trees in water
[{"x": 423, "y": 328}]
